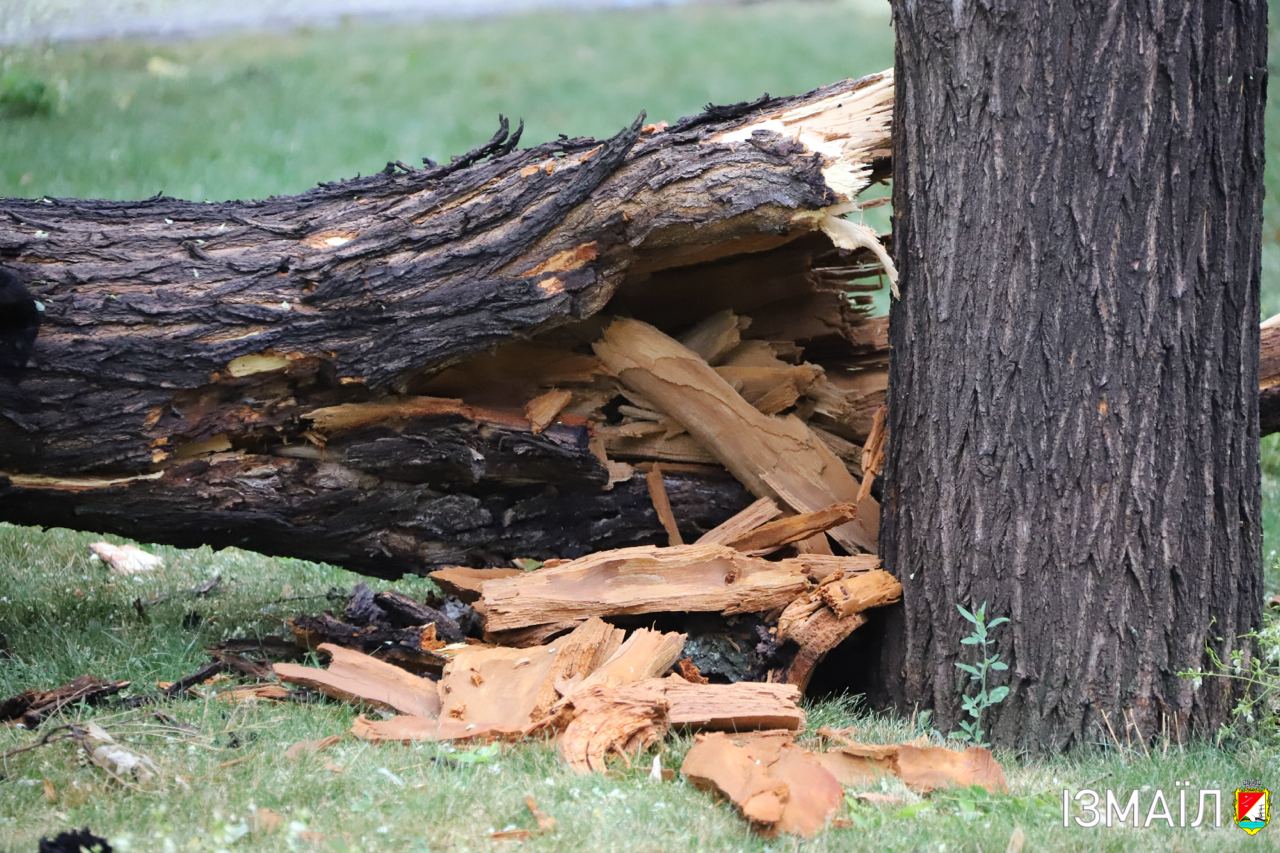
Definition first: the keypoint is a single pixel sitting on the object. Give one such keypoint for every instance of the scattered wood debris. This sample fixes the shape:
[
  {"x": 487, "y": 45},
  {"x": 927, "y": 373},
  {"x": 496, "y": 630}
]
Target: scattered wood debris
[
  {"x": 352, "y": 676},
  {"x": 545, "y": 823},
  {"x": 773, "y": 456},
  {"x": 780, "y": 787},
  {"x": 123, "y": 764},
  {"x": 923, "y": 767},
  {"x": 643, "y": 579},
  {"x": 465, "y": 583},
  {"x": 31, "y": 707},
  {"x": 777, "y": 786},
  {"x": 125, "y": 559}
]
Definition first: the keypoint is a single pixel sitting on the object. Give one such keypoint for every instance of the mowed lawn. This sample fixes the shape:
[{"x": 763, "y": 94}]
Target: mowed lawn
[{"x": 258, "y": 115}]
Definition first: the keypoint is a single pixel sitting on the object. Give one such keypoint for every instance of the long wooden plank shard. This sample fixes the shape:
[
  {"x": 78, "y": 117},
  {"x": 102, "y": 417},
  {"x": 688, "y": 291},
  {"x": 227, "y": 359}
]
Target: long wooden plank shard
[
  {"x": 356, "y": 677},
  {"x": 770, "y": 537},
  {"x": 773, "y": 456},
  {"x": 644, "y": 579}
]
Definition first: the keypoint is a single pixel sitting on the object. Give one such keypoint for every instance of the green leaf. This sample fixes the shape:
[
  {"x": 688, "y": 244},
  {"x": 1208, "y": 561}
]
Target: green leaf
[
  {"x": 1000, "y": 621},
  {"x": 998, "y": 694},
  {"x": 966, "y": 614},
  {"x": 982, "y": 611},
  {"x": 964, "y": 667},
  {"x": 971, "y": 641},
  {"x": 999, "y": 665}
]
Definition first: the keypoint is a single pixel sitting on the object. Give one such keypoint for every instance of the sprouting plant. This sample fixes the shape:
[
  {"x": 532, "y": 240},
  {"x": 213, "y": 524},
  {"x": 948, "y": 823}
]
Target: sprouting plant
[
  {"x": 1254, "y": 664},
  {"x": 986, "y": 697}
]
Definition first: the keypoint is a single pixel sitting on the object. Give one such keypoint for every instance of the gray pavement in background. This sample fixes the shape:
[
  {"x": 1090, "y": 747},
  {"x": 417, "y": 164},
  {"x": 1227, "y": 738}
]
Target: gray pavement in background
[{"x": 35, "y": 21}]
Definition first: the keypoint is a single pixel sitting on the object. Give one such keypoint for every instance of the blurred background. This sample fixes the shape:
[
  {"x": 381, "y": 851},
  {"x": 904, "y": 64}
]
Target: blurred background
[{"x": 203, "y": 100}]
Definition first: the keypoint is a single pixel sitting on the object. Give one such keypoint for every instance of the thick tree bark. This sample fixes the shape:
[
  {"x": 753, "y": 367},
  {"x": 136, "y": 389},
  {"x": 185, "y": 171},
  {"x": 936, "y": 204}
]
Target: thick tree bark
[
  {"x": 284, "y": 374},
  {"x": 1073, "y": 417}
]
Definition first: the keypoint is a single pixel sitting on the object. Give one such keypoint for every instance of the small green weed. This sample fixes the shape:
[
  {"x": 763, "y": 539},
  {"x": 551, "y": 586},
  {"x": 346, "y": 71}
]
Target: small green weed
[
  {"x": 1256, "y": 717},
  {"x": 986, "y": 697},
  {"x": 23, "y": 95}
]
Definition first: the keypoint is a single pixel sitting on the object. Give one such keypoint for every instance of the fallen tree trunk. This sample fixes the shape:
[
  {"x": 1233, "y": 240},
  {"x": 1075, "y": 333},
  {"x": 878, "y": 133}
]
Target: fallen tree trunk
[{"x": 395, "y": 372}]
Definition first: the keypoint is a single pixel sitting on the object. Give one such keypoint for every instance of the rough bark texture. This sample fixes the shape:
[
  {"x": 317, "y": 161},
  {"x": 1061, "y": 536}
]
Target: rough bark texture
[
  {"x": 261, "y": 373},
  {"x": 1073, "y": 419}
]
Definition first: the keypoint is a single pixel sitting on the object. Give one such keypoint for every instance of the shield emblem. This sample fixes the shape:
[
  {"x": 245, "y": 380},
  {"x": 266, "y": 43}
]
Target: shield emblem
[{"x": 1253, "y": 808}]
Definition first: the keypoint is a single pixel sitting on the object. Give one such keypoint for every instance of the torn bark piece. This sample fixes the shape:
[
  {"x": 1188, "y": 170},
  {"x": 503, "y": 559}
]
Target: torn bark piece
[
  {"x": 607, "y": 722},
  {"x": 643, "y": 579},
  {"x": 744, "y": 706},
  {"x": 873, "y": 452},
  {"x": 126, "y": 559},
  {"x": 689, "y": 672},
  {"x": 741, "y": 707},
  {"x": 928, "y": 768},
  {"x": 812, "y": 626},
  {"x": 119, "y": 761},
  {"x": 545, "y": 408},
  {"x": 770, "y": 537},
  {"x": 355, "y": 677},
  {"x": 310, "y": 747},
  {"x": 465, "y": 583},
  {"x": 922, "y": 767},
  {"x": 645, "y": 654},
  {"x": 772, "y": 456},
  {"x": 825, "y": 568},
  {"x": 31, "y": 707},
  {"x": 716, "y": 336},
  {"x": 760, "y": 512},
  {"x": 777, "y": 785},
  {"x": 506, "y": 690},
  {"x": 662, "y": 505},
  {"x": 846, "y": 596}
]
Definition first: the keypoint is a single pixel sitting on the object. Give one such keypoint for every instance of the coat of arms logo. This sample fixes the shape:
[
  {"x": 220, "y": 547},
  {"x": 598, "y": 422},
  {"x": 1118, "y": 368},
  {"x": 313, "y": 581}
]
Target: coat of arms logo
[{"x": 1253, "y": 807}]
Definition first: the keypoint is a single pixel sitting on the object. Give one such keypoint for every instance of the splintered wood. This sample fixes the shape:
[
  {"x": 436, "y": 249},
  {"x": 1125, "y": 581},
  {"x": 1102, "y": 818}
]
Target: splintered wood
[
  {"x": 644, "y": 579},
  {"x": 773, "y": 456},
  {"x": 823, "y": 618},
  {"x": 600, "y": 694},
  {"x": 777, "y": 786},
  {"x": 355, "y": 677}
]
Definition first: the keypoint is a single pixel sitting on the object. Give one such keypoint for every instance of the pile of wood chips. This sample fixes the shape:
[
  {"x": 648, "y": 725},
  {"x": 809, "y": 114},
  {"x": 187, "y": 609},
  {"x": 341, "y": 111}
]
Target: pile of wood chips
[{"x": 551, "y": 665}]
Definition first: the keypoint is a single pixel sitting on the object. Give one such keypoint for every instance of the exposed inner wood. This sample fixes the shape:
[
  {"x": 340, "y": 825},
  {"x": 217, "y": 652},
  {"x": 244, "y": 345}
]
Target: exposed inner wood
[
  {"x": 352, "y": 676},
  {"x": 770, "y": 537},
  {"x": 759, "y": 512},
  {"x": 645, "y": 579},
  {"x": 778, "y": 786},
  {"x": 396, "y": 373},
  {"x": 772, "y": 456}
]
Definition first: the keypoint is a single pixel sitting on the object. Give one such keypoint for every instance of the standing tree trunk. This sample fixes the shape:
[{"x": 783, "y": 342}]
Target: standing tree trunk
[{"x": 1074, "y": 426}]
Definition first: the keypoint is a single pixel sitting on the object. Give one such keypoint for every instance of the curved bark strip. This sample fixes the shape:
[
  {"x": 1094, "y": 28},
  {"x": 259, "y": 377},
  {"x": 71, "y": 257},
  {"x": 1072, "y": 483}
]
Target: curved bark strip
[
  {"x": 341, "y": 374},
  {"x": 1074, "y": 411}
]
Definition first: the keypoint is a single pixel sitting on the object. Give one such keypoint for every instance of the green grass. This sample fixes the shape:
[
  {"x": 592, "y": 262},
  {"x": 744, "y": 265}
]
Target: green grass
[
  {"x": 252, "y": 116},
  {"x": 62, "y": 614}
]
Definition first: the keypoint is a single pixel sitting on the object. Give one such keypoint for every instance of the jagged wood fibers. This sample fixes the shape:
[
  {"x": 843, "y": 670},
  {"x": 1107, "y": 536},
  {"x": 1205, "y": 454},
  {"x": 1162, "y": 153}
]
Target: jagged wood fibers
[{"x": 275, "y": 374}]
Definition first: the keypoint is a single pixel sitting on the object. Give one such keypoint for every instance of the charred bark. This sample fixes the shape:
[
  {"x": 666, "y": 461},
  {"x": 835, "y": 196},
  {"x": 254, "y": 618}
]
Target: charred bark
[{"x": 1074, "y": 385}]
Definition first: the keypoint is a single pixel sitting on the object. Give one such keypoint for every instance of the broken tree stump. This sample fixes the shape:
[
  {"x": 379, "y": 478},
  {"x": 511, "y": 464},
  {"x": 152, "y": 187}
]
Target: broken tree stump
[{"x": 395, "y": 372}]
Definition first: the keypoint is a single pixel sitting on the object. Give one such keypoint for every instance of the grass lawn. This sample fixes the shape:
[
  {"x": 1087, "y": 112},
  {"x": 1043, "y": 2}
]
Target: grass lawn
[{"x": 252, "y": 116}]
